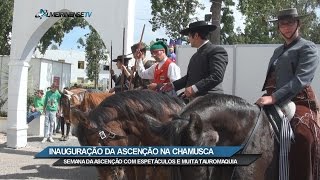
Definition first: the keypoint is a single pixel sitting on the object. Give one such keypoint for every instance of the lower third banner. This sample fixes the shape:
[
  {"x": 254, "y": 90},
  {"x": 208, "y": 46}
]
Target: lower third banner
[{"x": 237, "y": 160}]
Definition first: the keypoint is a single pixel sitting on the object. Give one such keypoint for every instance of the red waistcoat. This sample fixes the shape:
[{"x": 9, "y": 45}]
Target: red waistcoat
[{"x": 161, "y": 75}]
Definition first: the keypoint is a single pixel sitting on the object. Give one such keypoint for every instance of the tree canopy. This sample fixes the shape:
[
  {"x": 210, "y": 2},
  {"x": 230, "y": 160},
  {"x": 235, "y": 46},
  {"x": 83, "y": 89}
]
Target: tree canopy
[
  {"x": 6, "y": 9},
  {"x": 176, "y": 15},
  {"x": 56, "y": 33},
  {"x": 258, "y": 29},
  {"x": 95, "y": 53},
  {"x": 173, "y": 15}
]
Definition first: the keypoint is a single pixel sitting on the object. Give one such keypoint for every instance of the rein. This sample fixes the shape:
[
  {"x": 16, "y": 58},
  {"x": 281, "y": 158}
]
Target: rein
[
  {"x": 252, "y": 132},
  {"x": 249, "y": 138}
]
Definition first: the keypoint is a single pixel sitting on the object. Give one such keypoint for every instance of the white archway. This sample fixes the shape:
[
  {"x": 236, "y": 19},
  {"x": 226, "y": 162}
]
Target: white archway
[{"x": 108, "y": 18}]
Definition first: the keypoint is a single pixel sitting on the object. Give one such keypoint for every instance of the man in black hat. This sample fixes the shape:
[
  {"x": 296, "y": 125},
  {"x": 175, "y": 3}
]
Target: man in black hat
[
  {"x": 122, "y": 79},
  {"x": 207, "y": 66},
  {"x": 290, "y": 72}
]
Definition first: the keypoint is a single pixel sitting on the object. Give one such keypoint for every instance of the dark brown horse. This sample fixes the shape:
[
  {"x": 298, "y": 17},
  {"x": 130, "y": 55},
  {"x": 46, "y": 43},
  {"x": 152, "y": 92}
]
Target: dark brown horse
[
  {"x": 120, "y": 116},
  {"x": 221, "y": 120}
]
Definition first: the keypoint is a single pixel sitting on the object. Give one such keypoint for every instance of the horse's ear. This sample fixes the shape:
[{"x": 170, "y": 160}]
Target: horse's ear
[
  {"x": 194, "y": 128},
  {"x": 80, "y": 116},
  {"x": 154, "y": 124},
  {"x": 68, "y": 92}
]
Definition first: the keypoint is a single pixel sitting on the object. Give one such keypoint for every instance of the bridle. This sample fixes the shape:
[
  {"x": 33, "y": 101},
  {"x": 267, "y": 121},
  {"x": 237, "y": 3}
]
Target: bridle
[
  {"x": 108, "y": 135},
  {"x": 105, "y": 136}
]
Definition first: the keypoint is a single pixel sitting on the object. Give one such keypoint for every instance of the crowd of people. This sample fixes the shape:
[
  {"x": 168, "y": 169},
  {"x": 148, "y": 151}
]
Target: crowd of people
[
  {"x": 48, "y": 104},
  {"x": 290, "y": 73}
]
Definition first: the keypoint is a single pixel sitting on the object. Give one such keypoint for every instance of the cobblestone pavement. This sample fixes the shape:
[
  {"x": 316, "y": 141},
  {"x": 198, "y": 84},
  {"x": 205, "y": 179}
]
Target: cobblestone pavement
[{"x": 20, "y": 163}]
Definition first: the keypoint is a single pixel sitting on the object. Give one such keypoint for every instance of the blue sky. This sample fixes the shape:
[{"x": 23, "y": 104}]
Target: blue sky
[{"x": 142, "y": 16}]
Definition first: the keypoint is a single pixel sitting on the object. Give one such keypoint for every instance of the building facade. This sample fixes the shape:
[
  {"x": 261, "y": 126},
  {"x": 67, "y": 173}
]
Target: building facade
[{"x": 78, "y": 66}]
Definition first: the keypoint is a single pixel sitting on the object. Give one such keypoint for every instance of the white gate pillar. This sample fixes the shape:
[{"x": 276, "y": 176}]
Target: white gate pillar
[{"x": 17, "y": 93}]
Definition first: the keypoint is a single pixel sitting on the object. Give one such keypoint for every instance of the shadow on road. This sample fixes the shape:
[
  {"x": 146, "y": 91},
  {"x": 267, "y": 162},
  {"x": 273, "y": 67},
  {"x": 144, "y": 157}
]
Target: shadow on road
[{"x": 45, "y": 171}]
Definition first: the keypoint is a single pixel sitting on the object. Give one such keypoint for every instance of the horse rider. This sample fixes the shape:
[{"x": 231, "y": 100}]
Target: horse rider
[
  {"x": 163, "y": 71},
  {"x": 207, "y": 66},
  {"x": 290, "y": 72},
  {"x": 137, "y": 81},
  {"x": 121, "y": 81}
]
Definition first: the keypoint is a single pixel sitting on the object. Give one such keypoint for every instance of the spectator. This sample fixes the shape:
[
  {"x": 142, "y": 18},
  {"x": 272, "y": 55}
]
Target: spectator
[
  {"x": 37, "y": 108},
  {"x": 51, "y": 106}
]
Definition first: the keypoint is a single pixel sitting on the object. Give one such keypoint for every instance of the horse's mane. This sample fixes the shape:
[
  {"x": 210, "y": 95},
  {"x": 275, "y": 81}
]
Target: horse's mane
[
  {"x": 219, "y": 102},
  {"x": 224, "y": 113},
  {"x": 131, "y": 104}
]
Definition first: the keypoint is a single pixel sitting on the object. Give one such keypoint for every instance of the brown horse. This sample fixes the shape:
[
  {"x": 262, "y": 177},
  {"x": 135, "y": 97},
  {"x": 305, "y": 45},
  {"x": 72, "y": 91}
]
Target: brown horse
[
  {"x": 121, "y": 115},
  {"x": 222, "y": 120},
  {"x": 85, "y": 100}
]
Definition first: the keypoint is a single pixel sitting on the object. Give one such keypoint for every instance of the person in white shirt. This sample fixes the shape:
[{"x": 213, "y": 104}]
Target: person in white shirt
[{"x": 164, "y": 71}]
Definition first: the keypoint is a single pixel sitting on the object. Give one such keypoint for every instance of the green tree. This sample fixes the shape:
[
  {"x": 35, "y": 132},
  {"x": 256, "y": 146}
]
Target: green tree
[
  {"x": 173, "y": 15},
  {"x": 258, "y": 29},
  {"x": 56, "y": 33},
  {"x": 6, "y": 9},
  {"x": 227, "y": 36},
  {"x": 176, "y": 15},
  {"x": 95, "y": 53},
  {"x": 54, "y": 47}
]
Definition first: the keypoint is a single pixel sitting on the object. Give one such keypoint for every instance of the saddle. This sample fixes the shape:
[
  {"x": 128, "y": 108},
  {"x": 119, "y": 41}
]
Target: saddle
[{"x": 275, "y": 115}]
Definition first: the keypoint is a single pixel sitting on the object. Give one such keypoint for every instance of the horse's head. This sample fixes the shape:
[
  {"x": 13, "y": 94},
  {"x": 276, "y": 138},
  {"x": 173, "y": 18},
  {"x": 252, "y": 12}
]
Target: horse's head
[
  {"x": 185, "y": 132},
  {"x": 65, "y": 106},
  {"x": 90, "y": 133},
  {"x": 191, "y": 131}
]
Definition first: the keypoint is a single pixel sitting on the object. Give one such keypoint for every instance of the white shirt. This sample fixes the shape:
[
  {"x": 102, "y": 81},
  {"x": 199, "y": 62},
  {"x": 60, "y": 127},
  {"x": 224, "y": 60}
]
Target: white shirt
[{"x": 173, "y": 70}]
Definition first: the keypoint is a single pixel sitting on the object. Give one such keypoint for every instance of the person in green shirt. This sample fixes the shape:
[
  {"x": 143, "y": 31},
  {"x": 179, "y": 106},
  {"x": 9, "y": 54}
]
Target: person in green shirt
[
  {"x": 37, "y": 108},
  {"x": 51, "y": 107}
]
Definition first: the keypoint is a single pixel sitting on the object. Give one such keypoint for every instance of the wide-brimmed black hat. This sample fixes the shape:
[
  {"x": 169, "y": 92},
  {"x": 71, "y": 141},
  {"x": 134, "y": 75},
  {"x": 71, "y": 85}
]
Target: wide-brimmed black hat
[
  {"x": 119, "y": 58},
  {"x": 198, "y": 26},
  {"x": 288, "y": 13}
]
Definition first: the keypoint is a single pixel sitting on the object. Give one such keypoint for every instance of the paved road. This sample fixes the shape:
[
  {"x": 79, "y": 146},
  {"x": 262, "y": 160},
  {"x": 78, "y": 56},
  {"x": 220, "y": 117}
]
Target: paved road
[{"x": 20, "y": 163}]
